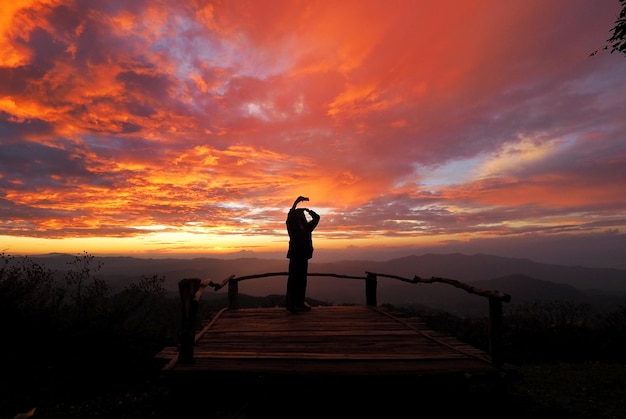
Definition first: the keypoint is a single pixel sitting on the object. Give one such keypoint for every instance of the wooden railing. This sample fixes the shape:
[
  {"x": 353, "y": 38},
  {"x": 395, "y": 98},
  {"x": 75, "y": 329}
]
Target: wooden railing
[{"x": 191, "y": 291}]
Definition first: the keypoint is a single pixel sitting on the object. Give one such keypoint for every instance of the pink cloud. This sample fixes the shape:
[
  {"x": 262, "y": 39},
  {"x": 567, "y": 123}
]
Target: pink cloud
[{"x": 156, "y": 112}]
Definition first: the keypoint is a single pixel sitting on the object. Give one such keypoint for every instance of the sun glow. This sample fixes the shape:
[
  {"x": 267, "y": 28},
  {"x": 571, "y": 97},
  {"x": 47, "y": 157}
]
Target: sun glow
[{"x": 172, "y": 127}]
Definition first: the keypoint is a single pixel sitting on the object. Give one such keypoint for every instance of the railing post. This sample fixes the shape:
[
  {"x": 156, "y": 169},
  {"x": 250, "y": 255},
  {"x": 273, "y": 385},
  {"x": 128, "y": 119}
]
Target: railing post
[
  {"x": 370, "y": 289},
  {"x": 495, "y": 332},
  {"x": 233, "y": 294},
  {"x": 187, "y": 288}
]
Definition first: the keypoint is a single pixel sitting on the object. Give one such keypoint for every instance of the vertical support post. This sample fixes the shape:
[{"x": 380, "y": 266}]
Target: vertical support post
[
  {"x": 370, "y": 289},
  {"x": 187, "y": 289},
  {"x": 495, "y": 330},
  {"x": 233, "y": 295}
]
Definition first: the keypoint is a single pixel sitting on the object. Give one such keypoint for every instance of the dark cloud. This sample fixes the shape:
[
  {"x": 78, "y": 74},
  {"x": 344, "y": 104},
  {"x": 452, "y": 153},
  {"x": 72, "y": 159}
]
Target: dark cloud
[
  {"x": 132, "y": 118},
  {"x": 12, "y": 130}
]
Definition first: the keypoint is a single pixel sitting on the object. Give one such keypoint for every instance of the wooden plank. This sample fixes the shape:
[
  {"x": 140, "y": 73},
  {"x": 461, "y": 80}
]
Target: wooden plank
[{"x": 338, "y": 340}]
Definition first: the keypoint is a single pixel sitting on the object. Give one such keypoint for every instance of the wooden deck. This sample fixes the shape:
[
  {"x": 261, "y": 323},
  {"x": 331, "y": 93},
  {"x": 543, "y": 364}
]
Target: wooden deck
[{"x": 347, "y": 341}]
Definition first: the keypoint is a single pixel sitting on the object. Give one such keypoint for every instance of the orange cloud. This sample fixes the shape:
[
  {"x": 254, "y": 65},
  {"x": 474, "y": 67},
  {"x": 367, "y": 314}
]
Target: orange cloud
[{"x": 401, "y": 120}]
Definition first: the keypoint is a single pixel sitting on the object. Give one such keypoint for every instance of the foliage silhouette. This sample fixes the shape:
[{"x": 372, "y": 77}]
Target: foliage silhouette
[{"x": 617, "y": 41}]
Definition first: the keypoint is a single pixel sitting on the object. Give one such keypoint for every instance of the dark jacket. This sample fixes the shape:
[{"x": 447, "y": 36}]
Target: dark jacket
[{"x": 299, "y": 229}]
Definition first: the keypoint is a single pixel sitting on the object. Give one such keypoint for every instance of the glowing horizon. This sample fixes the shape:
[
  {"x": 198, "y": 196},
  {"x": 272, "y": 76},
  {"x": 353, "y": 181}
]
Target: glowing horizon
[{"x": 169, "y": 127}]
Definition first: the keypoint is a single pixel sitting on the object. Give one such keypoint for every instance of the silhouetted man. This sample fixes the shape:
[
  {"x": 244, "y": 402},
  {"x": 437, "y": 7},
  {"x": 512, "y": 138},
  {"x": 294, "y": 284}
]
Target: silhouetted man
[{"x": 299, "y": 253}]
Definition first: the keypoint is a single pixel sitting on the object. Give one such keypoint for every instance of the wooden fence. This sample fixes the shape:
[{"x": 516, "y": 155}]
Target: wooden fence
[{"x": 191, "y": 290}]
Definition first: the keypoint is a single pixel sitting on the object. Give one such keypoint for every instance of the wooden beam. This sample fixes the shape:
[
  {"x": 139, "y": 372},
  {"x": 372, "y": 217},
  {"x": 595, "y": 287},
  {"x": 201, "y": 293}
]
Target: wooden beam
[{"x": 370, "y": 290}]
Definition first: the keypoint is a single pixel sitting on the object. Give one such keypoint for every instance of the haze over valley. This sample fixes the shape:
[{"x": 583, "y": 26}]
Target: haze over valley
[{"x": 524, "y": 279}]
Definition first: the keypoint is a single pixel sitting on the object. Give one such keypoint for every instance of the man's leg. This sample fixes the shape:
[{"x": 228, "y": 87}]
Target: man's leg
[
  {"x": 301, "y": 282},
  {"x": 292, "y": 287},
  {"x": 305, "y": 271}
]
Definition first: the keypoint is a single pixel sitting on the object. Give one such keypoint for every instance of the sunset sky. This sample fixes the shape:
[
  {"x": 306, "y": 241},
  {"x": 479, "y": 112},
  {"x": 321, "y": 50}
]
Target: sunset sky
[{"x": 168, "y": 127}]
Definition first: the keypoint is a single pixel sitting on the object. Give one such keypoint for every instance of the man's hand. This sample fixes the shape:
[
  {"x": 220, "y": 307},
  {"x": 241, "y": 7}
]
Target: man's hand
[{"x": 298, "y": 200}]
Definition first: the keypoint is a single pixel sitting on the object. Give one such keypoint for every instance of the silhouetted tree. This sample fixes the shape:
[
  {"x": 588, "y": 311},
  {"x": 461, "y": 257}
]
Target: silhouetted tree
[{"x": 617, "y": 42}]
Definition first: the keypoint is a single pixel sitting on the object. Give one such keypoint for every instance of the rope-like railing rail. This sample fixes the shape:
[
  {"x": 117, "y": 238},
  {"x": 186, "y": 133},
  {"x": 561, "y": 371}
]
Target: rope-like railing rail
[
  {"x": 219, "y": 285},
  {"x": 191, "y": 290},
  {"x": 472, "y": 290}
]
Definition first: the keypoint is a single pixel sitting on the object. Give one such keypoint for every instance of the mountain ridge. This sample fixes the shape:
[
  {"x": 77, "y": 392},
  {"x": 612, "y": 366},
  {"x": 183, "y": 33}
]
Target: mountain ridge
[
  {"x": 523, "y": 279},
  {"x": 459, "y": 266}
]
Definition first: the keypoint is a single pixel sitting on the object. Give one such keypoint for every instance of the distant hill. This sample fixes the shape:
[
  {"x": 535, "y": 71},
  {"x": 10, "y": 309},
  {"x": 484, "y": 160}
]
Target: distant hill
[
  {"x": 525, "y": 288},
  {"x": 523, "y": 279},
  {"x": 472, "y": 268}
]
